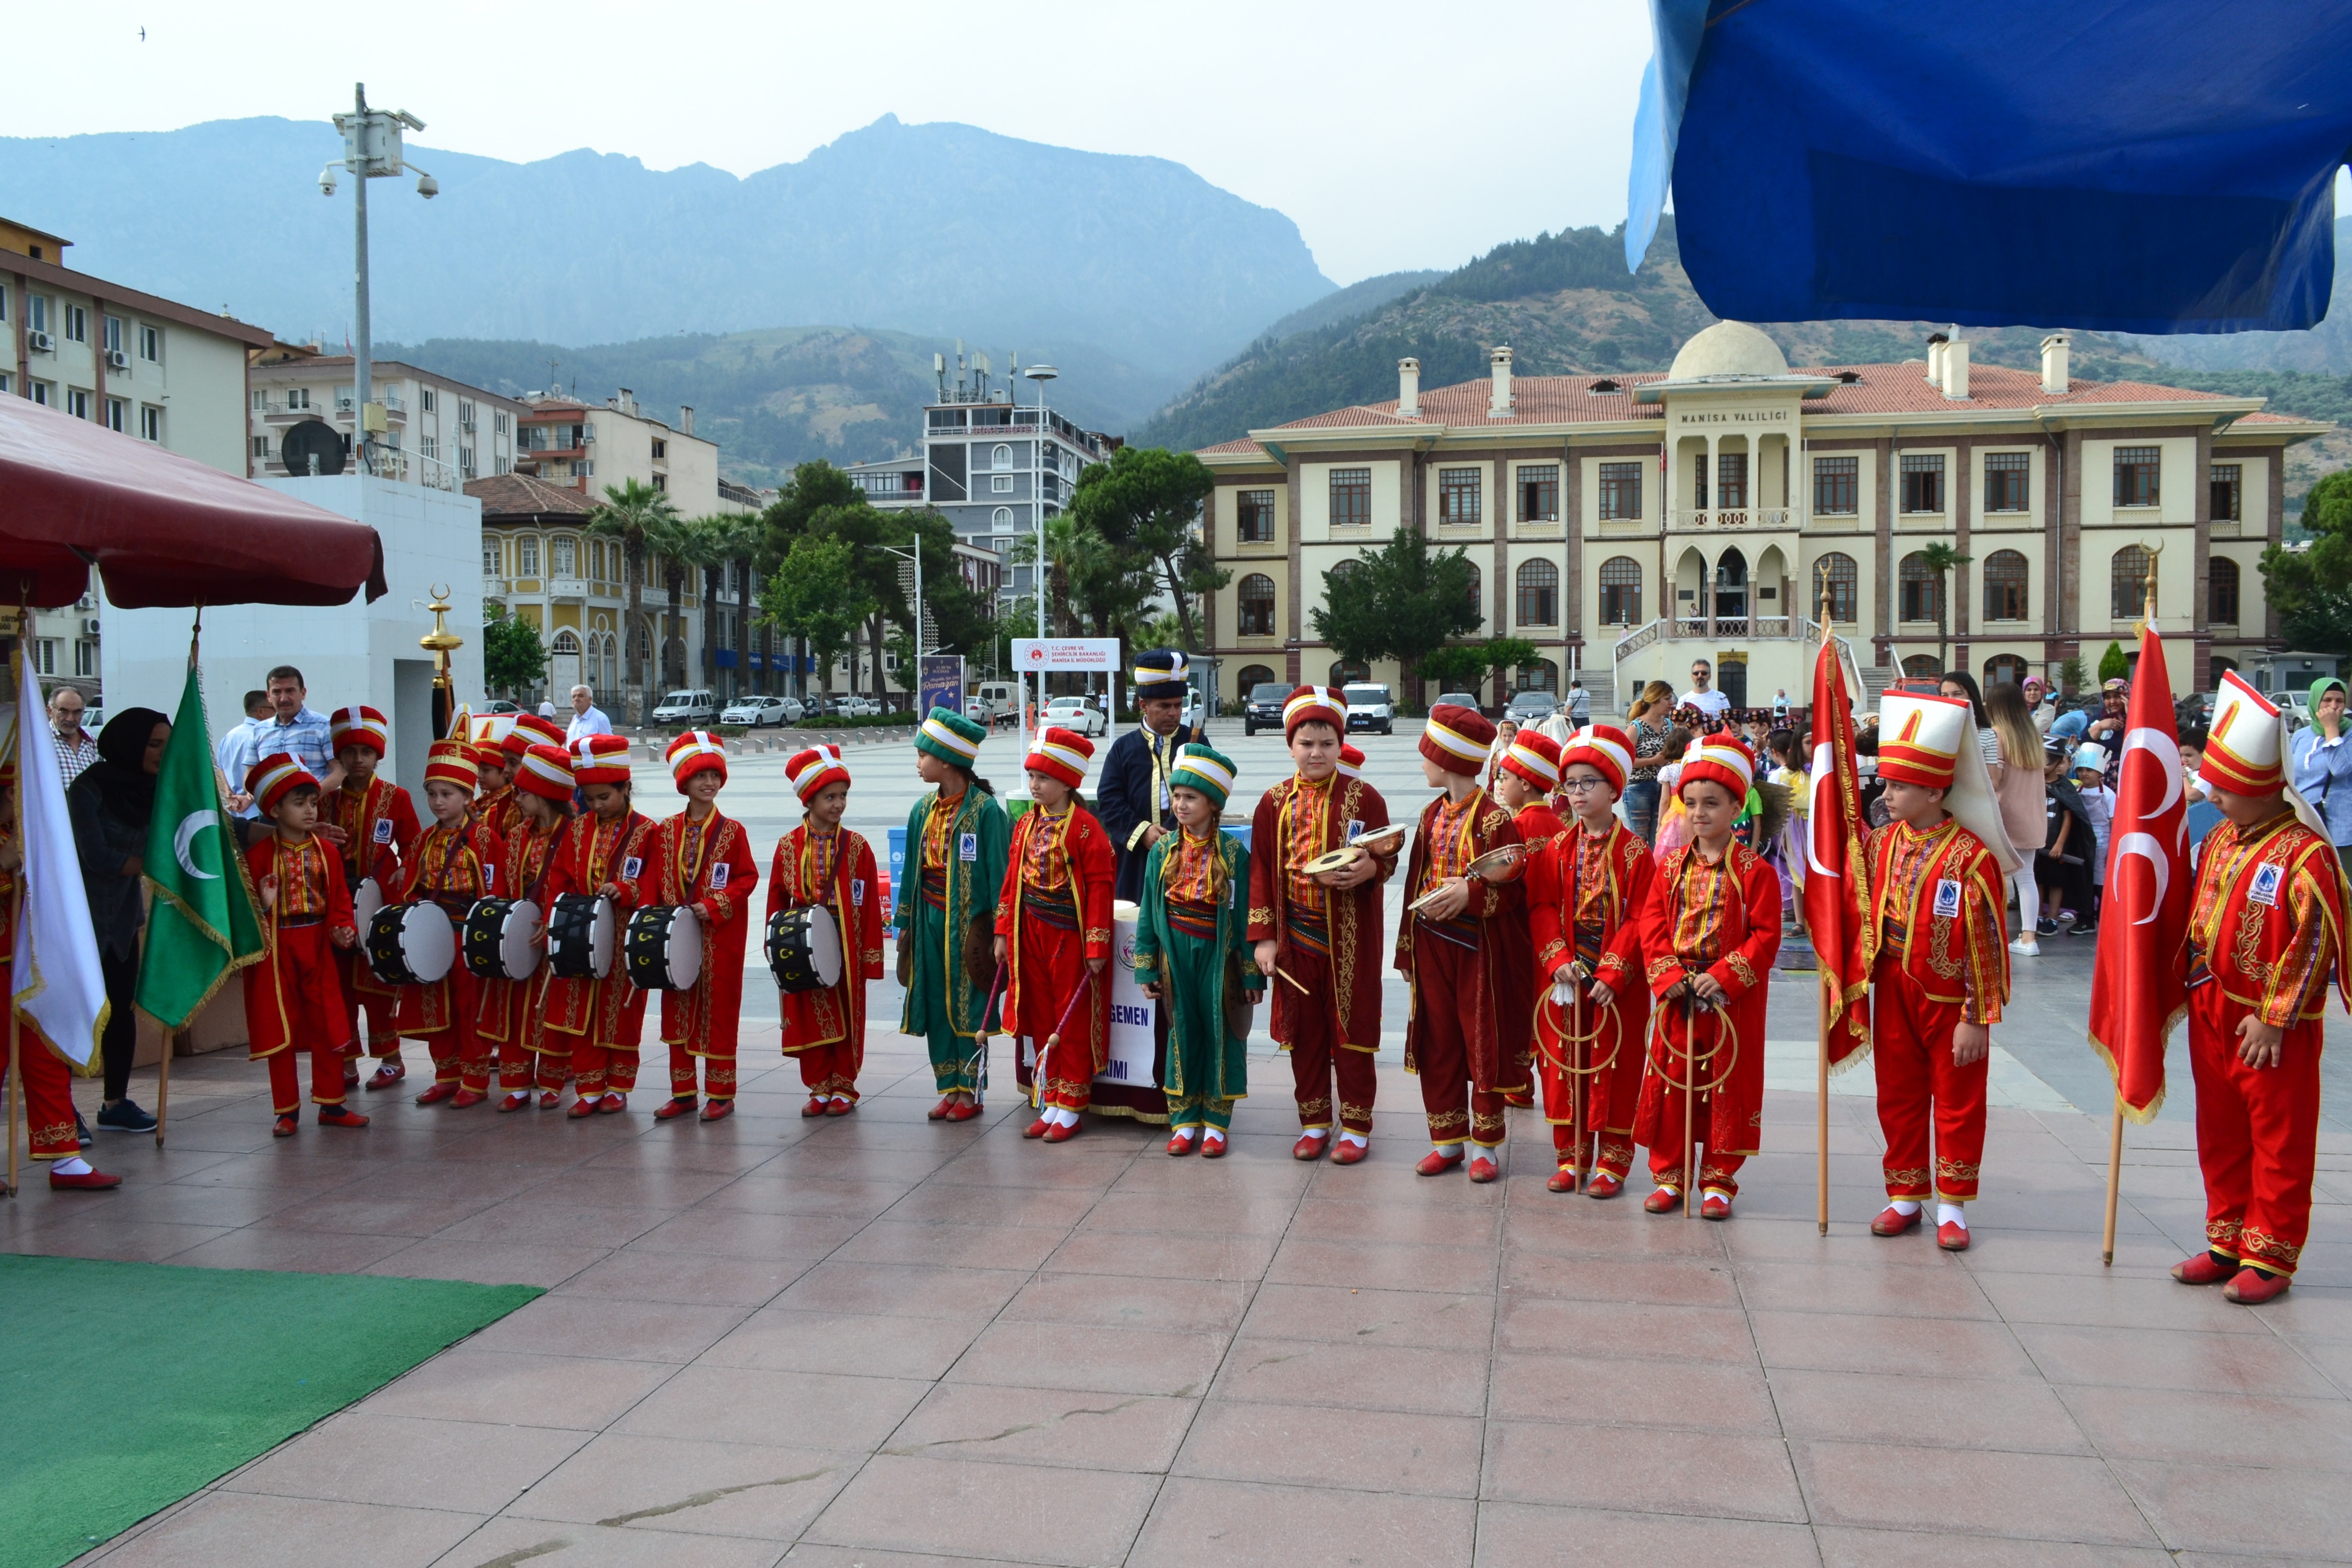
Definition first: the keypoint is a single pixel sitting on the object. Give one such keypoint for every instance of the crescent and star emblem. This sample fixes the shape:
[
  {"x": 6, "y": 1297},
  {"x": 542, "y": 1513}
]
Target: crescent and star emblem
[
  {"x": 2150, "y": 847},
  {"x": 1824, "y": 778},
  {"x": 184, "y": 842}
]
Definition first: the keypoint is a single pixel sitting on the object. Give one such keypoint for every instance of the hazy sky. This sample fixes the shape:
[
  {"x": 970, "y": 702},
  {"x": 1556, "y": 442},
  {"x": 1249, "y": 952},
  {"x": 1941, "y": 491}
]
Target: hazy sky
[{"x": 1396, "y": 135}]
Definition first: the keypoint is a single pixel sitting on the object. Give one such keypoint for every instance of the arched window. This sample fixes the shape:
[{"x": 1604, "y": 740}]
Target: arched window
[
  {"x": 1001, "y": 520},
  {"x": 2127, "y": 584},
  {"x": 2003, "y": 667},
  {"x": 1923, "y": 664},
  {"x": 1620, "y": 591},
  {"x": 1541, "y": 676},
  {"x": 1253, "y": 676},
  {"x": 2221, "y": 593},
  {"x": 2216, "y": 666},
  {"x": 2004, "y": 586},
  {"x": 646, "y": 646},
  {"x": 565, "y": 643},
  {"x": 1347, "y": 672},
  {"x": 1539, "y": 594},
  {"x": 1836, "y": 573},
  {"x": 1920, "y": 592},
  {"x": 1001, "y": 458},
  {"x": 1255, "y": 596}
]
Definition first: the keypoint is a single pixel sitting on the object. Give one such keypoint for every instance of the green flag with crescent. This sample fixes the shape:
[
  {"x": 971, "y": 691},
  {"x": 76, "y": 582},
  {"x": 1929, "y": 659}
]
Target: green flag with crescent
[{"x": 202, "y": 927}]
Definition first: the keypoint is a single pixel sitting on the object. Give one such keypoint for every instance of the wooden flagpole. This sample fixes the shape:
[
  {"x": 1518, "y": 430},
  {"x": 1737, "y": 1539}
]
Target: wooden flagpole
[
  {"x": 15, "y": 1047},
  {"x": 2116, "y": 1126},
  {"x": 1825, "y": 1009}
]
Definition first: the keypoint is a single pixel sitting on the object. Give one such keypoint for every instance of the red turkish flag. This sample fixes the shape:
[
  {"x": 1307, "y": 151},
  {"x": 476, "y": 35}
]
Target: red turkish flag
[
  {"x": 1837, "y": 883},
  {"x": 2140, "y": 987}
]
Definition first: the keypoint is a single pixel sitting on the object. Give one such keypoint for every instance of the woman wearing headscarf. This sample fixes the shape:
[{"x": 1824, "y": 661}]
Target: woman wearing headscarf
[{"x": 110, "y": 803}]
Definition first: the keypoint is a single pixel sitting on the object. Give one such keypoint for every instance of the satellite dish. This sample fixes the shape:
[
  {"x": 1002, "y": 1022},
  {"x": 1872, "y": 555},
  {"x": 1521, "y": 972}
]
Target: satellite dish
[{"x": 313, "y": 446}]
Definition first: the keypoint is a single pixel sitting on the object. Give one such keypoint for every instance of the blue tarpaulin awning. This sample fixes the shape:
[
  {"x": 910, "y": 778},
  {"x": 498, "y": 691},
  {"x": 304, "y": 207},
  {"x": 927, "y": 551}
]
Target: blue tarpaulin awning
[{"x": 2119, "y": 165}]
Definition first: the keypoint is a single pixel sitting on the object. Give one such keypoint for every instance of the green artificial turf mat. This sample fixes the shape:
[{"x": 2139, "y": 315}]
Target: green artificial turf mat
[{"x": 125, "y": 1386}]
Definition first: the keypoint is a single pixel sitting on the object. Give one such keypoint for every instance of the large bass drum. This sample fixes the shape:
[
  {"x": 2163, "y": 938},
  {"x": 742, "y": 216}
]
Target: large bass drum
[
  {"x": 663, "y": 948},
  {"x": 804, "y": 949},
  {"x": 366, "y": 899},
  {"x": 580, "y": 936},
  {"x": 411, "y": 944},
  {"x": 497, "y": 942}
]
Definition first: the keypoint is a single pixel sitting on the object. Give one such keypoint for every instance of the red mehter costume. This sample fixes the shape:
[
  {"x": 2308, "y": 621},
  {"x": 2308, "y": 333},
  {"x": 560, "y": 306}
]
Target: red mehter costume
[
  {"x": 1055, "y": 915},
  {"x": 379, "y": 825},
  {"x": 451, "y": 867},
  {"x": 293, "y": 999},
  {"x": 597, "y": 1023},
  {"x": 1586, "y": 892},
  {"x": 526, "y": 863},
  {"x": 49, "y": 1081},
  {"x": 708, "y": 865},
  {"x": 826, "y": 1028},
  {"x": 1328, "y": 939}
]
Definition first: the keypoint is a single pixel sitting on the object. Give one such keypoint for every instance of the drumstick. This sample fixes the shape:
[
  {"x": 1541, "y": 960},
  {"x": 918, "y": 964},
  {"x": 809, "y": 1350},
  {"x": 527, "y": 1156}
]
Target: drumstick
[{"x": 1302, "y": 990}]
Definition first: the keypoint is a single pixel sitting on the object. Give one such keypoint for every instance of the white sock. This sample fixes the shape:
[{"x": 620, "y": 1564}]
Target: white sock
[
  {"x": 71, "y": 1165},
  {"x": 1317, "y": 1133},
  {"x": 1450, "y": 1151},
  {"x": 1906, "y": 1207},
  {"x": 1064, "y": 1117},
  {"x": 1358, "y": 1138},
  {"x": 1715, "y": 1193},
  {"x": 1952, "y": 1214},
  {"x": 1671, "y": 1190}
]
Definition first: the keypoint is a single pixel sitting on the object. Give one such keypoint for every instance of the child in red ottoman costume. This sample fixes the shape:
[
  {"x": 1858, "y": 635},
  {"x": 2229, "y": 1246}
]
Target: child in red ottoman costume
[
  {"x": 293, "y": 998},
  {"x": 1052, "y": 934},
  {"x": 822, "y": 863},
  {"x": 702, "y": 859}
]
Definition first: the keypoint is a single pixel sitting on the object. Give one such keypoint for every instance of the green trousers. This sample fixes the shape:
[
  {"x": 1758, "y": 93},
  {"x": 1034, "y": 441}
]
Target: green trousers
[
  {"x": 953, "y": 1067},
  {"x": 1207, "y": 1071}
]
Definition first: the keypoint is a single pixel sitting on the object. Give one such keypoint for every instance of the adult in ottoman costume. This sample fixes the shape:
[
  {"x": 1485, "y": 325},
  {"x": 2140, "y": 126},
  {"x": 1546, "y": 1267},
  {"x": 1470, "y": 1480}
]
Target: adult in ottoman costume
[
  {"x": 1586, "y": 894},
  {"x": 956, "y": 842},
  {"x": 2267, "y": 925},
  {"x": 1324, "y": 931},
  {"x": 1720, "y": 919},
  {"x": 1132, "y": 794},
  {"x": 1941, "y": 973}
]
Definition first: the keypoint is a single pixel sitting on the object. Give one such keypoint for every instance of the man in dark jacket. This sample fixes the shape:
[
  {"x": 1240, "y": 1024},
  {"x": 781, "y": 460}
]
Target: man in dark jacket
[{"x": 1132, "y": 794}]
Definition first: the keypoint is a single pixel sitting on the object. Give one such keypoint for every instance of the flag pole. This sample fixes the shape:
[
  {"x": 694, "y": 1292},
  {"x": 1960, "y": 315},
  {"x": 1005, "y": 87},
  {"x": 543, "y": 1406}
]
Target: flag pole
[
  {"x": 1824, "y": 1010},
  {"x": 172, "y": 1036},
  {"x": 2116, "y": 1126},
  {"x": 16, "y": 899}
]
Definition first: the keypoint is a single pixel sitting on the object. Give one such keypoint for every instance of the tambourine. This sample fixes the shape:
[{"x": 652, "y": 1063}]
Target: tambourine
[{"x": 1338, "y": 860}]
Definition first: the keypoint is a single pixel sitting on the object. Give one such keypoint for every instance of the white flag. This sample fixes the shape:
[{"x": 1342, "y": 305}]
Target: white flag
[{"x": 58, "y": 985}]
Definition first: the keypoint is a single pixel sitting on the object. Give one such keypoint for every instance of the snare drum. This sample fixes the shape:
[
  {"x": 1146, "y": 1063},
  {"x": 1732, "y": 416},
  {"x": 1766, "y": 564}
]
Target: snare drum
[
  {"x": 804, "y": 949},
  {"x": 411, "y": 944},
  {"x": 498, "y": 939},
  {"x": 663, "y": 948},
  {"x": 580, "y": 937}
]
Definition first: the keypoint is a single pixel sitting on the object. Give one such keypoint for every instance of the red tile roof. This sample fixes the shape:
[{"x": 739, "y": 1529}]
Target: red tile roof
[{"x": 526, "y": 495}]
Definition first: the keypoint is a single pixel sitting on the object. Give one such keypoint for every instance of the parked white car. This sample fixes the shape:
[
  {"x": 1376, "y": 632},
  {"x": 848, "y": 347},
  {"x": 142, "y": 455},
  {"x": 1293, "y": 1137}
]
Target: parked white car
[
  {"x": 1078, "y": 713},
  {"x": 857, "y": 707},
  {"x": 688, "y": 708},
  {"x": 759, "y": 712}
]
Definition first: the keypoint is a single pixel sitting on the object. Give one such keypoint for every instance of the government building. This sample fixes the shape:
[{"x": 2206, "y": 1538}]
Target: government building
[{"x": 1629, "y": 524}]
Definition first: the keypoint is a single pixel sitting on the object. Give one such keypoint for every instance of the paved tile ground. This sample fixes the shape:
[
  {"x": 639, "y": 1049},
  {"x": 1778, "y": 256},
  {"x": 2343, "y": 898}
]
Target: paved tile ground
[{"x": 878, "y": 1340}]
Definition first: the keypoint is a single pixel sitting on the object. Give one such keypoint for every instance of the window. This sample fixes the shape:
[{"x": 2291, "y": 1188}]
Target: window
[
  {"x": 1698, "y": 480},
  {"x": 1543, "y": 675},
  {"x": 2004, "y": 586},
  {"x": 1344, "y": 674},
  {"x": 1253, "y": 676},
  {"x": 1457, "y": 496},
  {"x": 2004, "y": 668},
  {"x": 2227, "y": 483},
  {"x": 2221, "y": 593},
  {"x": 2127, "y": 584},
  {"x": 429, "y": 448},
  {"x": 7, "y": 384},
  {"x": 1539, "y": 594},
  {"x": 489, "y": 558},
  {"x": 1621, "y": 491},
  {"x": 427, "y": 402},
  {"x": 3, "y": 304},
  {"x": 1352, "y": 497},
  {"x": 1477, "y": 591},
  {"x": 150, "y": 345},
  {"x": 260, "y": 400},
  {"x": 1620, "y": 578},
  {"x": 36, "y": 312},
  {"x": 499, "y": 421},
  {"x": 45, "y": 656},
  {"x": 1835, "y": 573},
  {"x": 1923, "y": 482},
  {"x": 661, "y": 448},
  {"x": 1921, "y": 593},
  {"x": 260, "y": 443},
  {"x": 565, "y": 643},
  {"x": 2135, "y": 477},
  {"x": 1255, "y": 598},
  {"x": 1001, "y": 520},
  {"x": 1923, "y": 666},
  {"x": 45, "y": 392},
  {"x": 78, "y": 403},
  {"x": 114, "y": 334},
  {"x": 2006, "y": 475},
  {"x": 661, "y": 482},
  {"x": 76, "y": 325},
  {"x": 150, "y": 422},
  {"x": 563, "y": 557},
  {"x": 85, "y": 659},
  {"x": 1253, "y": 517},
  {"x": 1540, "y": 492},
  {"x": 527, "y": 556},
  {"x": 118, "y": 416},
  {"x": 1731, "y": 489},
  {"x": 1000, "y": 484},
  {"x": 1000, "y": 456},
  {"x": 297, "y": 397},
  {"x": 1837, "y": 486}
]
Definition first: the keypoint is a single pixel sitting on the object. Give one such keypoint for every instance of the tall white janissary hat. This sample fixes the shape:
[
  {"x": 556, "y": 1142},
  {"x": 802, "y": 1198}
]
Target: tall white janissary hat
[{"x": 1932, "y": 742}]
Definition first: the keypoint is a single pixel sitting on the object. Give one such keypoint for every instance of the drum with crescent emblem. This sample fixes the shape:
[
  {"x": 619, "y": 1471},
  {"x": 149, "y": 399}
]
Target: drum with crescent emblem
[
  {"x": 663, "y": 948},
  {"x": 804, "y": 949},
  {"x": 411, "y": 944},
  {"x": 497, "y": 942},
  {"x": 580, "y": 929},
  {"x": 366, "y": 899}
]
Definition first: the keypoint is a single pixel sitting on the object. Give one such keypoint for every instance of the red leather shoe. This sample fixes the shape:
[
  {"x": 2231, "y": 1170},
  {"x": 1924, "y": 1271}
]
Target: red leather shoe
[
  {"x": 2252, "y": 1287},
  {"x": 1603, "y": 1185},
  {"x": 719, "y": 1111},
  {"x": 518, "y": 1100},
  {"x": 1061, "y": 1132},
  {"x": 437, "y": 1093},
  {"x": 1435, "y": 1163},
  {"x": 551, "y": 1098},
  {"x": 1038, "y": 1128},
  {"x": 963, "y": 1110},
  {"x": 464, "y": 1099},
  {"x": 1213, "y": 1147},
  {"x": 341, "y": 1116},
  {"x": 1952, "y": 1236},
  {"x": 1310, "y": 1147},
  {"x": 1178, "y": 1145},
  {"x": 674, "y": 1106},
  {"x": 613, "y": 1105},
  {"x": 87, "y": 1181},
  {"x": 1519, "y": 1099},
  {"x": 2205, "y": 1269},
  {"x": 1484, "y": 1169},
  {"x": 350, "y": 1074},
  {"x": 582, "y": 1107},
  {"x": 1715, "y": 1206},
  {"x": 1891, "y": 1221},
  {"x": 815, "y": 1107},
  {"x": 939, "y": 1113},
  {"x": 1561, "y": 1181},
  {"x": 387, "y": 1075},
  {"x": 1344, "y": 1153},
  {"x": 285, "y": 1127},
  {"x": 1666, "y": 1200},
  {"x": 840, "y": 1107}
]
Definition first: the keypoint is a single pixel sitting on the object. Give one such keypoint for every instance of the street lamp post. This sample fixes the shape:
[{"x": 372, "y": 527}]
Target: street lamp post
[
  {"x": 915, "y": 555},
  {"x": 1041, "y": 375},
  {"x": 372, "y": 151}
]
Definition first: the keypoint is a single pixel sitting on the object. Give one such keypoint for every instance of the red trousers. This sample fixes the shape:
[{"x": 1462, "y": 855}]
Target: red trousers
[
  {"x": 601, "y": 1069},
  {"x": 1318, "y": 1059},
  {"x": 310, "y": 993},
  {"x": 826, "y": 1070},
  {"x": 1446, "y": 972},
  {"x": 1052, "y": 970},
  {"x": 1669, "y": 1044},
  {"x": 718, "y": 1071},
  {"x": 49, "y": 1095},
  {"x": 519, "y": 1067},
  {"x": 1911, "y": 1051},
  {"x": 460, "y": 1055},
  {"x": 380, "y": 1037},
  {"x": 1606, "y": 1100},
  {"x": 2257, "y": 1134}
]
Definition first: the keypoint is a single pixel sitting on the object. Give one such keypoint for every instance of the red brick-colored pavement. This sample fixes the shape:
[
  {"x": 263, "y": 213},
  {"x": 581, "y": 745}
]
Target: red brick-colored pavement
[{"x": 878, "y": 1340}]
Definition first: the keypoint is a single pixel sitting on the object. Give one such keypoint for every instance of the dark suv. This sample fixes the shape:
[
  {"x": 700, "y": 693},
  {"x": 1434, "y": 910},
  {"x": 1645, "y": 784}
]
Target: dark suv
[{"x": 1263, "y": 707}]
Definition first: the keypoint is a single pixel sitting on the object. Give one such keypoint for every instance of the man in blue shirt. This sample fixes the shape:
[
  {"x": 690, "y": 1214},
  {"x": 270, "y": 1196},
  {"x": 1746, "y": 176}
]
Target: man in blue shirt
[
  {"x": 2323, "y": 765},
  {"x": 236, "y": 755}
]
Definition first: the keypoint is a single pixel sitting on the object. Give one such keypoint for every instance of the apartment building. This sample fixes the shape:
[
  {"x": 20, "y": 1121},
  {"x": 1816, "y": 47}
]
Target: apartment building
[
  {"x": 1628, "y": 524},
  {"x": 148, "y": 368},
  {"x": 437, "y": 432}
]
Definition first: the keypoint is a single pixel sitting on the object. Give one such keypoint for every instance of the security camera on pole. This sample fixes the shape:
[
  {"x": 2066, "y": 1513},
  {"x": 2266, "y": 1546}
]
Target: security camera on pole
[{"x": 372, "y": 151}]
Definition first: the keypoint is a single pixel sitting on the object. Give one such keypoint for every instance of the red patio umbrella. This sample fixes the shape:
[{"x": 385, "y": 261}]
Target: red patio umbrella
[{"x": 163, "y": 529}]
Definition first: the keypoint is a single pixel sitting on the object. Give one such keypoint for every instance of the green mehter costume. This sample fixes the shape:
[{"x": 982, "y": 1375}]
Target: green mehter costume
[
  {"x": 1191, "y": 931},
  {"x": 955, "y": 871}
]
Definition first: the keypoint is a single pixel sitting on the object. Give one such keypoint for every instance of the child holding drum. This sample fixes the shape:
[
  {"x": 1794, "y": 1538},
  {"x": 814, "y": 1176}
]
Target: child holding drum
[
  {"x": 293, "y": 999},
  {"x": 374, "y": 823},
  {"x": 543, "y": 786},
  {"x": 702, "y": 860},
  {"x": 946, "y": 917},
  {"x": 596, "y": 1018},
  {"x": 822, "y": 864},
  {"x": 450, "y": 865}
]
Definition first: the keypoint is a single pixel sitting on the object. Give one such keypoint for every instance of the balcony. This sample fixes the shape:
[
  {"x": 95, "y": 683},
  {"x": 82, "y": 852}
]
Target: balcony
[
  {"x": 494, "y": 588},
  {"x": 567, "y": 587},
  {"x": 1729, "y": 520}
]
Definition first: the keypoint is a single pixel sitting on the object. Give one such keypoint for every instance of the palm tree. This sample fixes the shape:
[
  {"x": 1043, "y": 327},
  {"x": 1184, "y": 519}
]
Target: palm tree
[
  {"x": 626, "y": 514},
  {"x": 672, "y": 543},
  {"x": 702, "y": 546},
  {"x": 738, "y": 540},
  {"x": 1941, "y": 559}
]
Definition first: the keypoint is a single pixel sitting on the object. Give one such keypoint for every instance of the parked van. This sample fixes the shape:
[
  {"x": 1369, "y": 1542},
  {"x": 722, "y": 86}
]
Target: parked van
[{"x": 996, "y": 702}]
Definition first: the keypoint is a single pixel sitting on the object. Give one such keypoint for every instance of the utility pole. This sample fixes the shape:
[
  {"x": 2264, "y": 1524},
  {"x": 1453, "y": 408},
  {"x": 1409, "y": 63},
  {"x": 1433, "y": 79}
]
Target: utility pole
[{"x": 372, "y": 151}]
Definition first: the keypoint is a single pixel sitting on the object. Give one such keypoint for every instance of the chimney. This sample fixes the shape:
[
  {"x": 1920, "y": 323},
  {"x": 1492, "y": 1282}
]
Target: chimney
[
  {"x": 2054, "y": 364},
  {"x": 686, "y": 418},
  {"x": 1955, "y": 369},
  {"x": 1937, "y": 343},
  {"x": 1408, "y": 388},
  {"x": 1500, "y": 409}
]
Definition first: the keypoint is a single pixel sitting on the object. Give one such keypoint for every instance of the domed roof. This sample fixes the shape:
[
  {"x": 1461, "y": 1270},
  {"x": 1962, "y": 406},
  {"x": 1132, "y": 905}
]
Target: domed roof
[{"x": 1728, "y": 348}]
